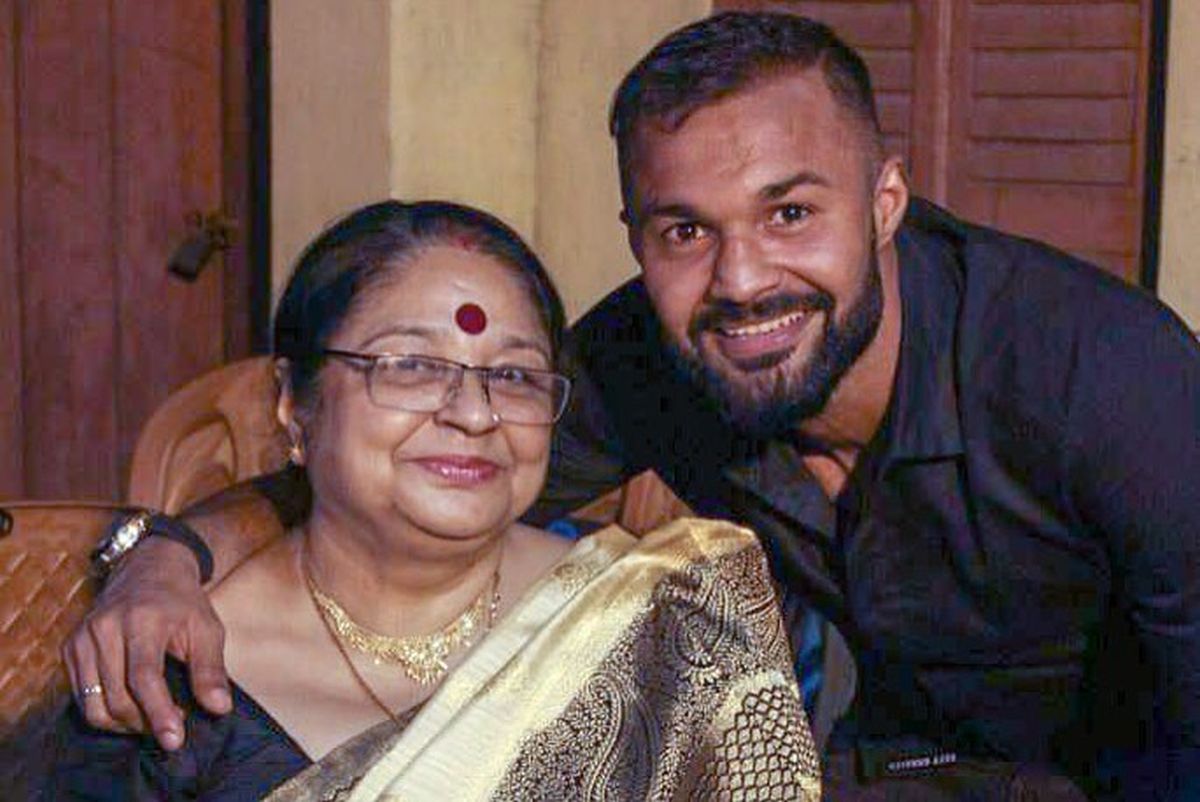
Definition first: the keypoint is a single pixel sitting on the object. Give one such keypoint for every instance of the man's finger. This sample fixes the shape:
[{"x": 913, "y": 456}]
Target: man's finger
[
  {"x": 206, "y": 662},
  {"x": 85, "y": 683},
  {"x": 109, "y": 657},
  {"x": 149, "y": 686},
  {"x": 67, "y": 652}
]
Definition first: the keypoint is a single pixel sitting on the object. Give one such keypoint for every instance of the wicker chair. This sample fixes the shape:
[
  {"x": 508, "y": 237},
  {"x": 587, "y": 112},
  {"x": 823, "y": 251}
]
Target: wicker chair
[
  {"x": 45, "y": 589},
  {"x": 208, "y": 435}
]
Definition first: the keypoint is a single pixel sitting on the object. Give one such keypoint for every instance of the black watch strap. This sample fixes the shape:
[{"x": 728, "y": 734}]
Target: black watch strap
[{"x": 172, "y": 528}]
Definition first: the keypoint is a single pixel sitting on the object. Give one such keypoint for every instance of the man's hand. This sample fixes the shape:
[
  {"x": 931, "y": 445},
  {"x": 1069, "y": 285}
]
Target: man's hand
[{"x": 153, "y": 605}]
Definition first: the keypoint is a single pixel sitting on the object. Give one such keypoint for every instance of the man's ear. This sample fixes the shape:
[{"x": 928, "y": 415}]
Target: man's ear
[
  {"x": 632, "y": 234},
  {"x": 890, "y": 200}
]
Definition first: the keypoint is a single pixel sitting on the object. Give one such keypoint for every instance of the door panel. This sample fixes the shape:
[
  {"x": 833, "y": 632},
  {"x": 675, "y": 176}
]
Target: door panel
[
  {"x": 11, "y": 452},
  {"x": 1028, "y": 116},
  {"x": 167, "y": 163},
  {"x": 68, "y": 281},
  {"x": 1055, "y": 152},
  {"x": 111, "y": 130}
]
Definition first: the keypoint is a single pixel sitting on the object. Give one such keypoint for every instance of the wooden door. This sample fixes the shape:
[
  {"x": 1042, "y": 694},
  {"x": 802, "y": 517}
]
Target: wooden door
[
  {"x": 117, "y": 120},
  {"x": 1028, "y": 116}
]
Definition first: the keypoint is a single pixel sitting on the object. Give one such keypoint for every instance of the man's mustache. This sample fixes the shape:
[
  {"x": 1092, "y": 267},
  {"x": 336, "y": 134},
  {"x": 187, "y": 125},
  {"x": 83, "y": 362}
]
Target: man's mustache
[{"x": 723, "y": 314}]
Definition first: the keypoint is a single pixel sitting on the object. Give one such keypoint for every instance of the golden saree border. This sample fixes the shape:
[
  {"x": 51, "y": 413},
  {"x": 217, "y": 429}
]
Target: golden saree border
[
  {"x": 471, "y": 730},
  {"x": 334, "y": 776}
]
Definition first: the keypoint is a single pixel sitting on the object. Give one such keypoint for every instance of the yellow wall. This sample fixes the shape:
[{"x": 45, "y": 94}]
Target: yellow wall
[
  {"x": 587, "y": 47},
  {"x": 503, "y": 104},
  {"x": 1179, "y": 276},
  {"x": 498, "y": 103},
  {"x": 463, "y": 106},
  {"x": 330, "y": 140}
]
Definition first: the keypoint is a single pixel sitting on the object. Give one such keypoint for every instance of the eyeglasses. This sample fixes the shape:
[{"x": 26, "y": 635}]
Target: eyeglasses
[{"x": 415, "y": 383}]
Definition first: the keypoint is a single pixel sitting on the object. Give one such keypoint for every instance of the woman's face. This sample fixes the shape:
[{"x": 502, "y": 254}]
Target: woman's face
[{"x": 456, "y": 474}]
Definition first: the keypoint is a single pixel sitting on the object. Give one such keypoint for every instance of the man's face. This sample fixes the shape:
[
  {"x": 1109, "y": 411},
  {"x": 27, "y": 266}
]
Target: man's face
[{"x": 753, "y": 223}]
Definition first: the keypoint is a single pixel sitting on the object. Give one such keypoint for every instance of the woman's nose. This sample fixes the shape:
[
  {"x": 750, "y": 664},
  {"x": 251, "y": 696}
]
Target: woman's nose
[{"x": 469, "y": 407}]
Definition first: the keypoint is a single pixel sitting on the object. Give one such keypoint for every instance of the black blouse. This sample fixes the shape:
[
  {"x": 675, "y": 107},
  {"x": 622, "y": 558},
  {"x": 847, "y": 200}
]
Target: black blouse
[{"x": 239, "y": 756}]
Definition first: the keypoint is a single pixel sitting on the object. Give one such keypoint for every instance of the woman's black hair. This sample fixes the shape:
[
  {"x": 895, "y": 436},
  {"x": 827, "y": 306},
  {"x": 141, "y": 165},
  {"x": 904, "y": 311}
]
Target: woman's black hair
[{"x": 366, "y": 245}]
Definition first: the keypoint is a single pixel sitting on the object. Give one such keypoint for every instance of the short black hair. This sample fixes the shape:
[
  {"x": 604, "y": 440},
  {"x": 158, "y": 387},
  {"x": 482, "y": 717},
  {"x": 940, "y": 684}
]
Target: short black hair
[
  {"x": 369, "y": 243},
  {"x": 724, "y": 54}
]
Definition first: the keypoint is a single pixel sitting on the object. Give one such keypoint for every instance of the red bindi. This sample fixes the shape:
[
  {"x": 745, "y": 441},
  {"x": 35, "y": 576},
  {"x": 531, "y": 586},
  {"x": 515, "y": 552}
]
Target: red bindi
[
  {"x": 471, "y": 318},
  {"x": 467, "y": 241}
]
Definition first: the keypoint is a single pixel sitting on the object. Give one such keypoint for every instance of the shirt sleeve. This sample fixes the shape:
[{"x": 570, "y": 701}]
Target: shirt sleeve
[{"x": 1134, "y": 471}]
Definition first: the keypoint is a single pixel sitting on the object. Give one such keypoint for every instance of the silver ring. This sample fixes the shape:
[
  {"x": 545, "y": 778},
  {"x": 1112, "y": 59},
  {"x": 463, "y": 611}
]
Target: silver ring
[{"x": 91, "y": 690}]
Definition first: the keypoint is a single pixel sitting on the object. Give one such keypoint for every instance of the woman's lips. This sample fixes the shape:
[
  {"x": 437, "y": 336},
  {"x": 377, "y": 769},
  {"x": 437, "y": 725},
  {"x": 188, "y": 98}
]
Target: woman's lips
[{"x": 458, "y": 469}]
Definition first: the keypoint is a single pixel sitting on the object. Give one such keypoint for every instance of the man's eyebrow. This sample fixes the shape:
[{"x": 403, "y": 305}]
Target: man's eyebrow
[
  {"x": 778, "y": 189},
  {"x": 679, "y": 210},
  {"x": 772, "y": 191}
]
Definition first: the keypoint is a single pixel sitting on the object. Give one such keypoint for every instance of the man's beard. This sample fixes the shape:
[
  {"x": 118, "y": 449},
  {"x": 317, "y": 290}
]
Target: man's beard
[{"x": 768, "y": 399}]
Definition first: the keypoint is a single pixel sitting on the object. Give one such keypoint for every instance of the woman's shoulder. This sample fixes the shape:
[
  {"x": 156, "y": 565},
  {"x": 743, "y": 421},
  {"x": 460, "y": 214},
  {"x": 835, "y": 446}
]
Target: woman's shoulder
[
  {"x": 533, "y": 553},
  {"x": 260, "y": 586},
  {"x": 699, "y": 540},
  {"x": 681, "y": 566},
  {"x": 720, "y": 549},
  {"x": 717, "y": 549},
  {"x": 713, "y": 575}
]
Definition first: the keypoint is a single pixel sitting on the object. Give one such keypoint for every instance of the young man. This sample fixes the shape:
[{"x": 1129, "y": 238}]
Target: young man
[{"x": 974, "y": 454}]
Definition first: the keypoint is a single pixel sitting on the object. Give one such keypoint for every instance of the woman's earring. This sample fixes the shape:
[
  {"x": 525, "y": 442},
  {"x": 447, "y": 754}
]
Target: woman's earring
[{"x": 296, "y": 454}]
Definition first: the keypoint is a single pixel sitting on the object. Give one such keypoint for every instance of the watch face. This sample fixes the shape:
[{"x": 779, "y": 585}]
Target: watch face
[
  {"x": 122, "y": 539},
  {"x": 128, "y": 534}
]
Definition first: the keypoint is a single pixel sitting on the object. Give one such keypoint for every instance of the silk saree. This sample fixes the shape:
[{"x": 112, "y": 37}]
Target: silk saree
[{"x": 653, "y": 668}]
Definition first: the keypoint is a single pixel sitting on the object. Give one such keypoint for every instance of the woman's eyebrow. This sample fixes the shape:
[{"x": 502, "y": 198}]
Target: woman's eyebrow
[
  {"x": 508, "y": 342},
  {"x": 517, "y": 341},
  {"x": 402, "y": 330},
  {"x": 513, "y": 341}
]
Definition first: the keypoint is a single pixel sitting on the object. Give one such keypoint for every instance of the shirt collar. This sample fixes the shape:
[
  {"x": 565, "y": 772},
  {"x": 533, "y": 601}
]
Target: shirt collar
[
  {"x": 777, "y": 475},
  {"x": 922, "y": 420}
]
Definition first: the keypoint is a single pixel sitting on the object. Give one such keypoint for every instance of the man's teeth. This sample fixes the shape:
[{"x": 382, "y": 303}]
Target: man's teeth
[{"x": 766, "y": 327}]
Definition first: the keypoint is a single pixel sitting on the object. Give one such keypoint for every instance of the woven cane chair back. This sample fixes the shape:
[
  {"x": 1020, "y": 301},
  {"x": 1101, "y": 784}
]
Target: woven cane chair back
[{"x": 45, "y": 589}]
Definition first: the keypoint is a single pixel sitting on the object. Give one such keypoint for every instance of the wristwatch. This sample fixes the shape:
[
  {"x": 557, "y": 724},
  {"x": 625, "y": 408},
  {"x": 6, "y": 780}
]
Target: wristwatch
[{"x": 131, "y": 527}]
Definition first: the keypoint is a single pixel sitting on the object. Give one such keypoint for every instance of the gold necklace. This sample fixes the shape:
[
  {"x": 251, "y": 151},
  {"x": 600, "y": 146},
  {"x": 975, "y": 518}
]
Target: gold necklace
[
  {"x": 423, "y": 658},
  {"x": 400, "y": 720}
]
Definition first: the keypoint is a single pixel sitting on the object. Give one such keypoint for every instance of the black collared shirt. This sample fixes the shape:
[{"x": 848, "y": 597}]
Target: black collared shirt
[{"x": 1015, "y": 560}]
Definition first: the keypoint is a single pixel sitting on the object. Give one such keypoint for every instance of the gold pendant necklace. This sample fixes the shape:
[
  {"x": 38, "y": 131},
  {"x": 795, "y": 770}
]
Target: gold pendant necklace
[{"x": 423, "y": 658}]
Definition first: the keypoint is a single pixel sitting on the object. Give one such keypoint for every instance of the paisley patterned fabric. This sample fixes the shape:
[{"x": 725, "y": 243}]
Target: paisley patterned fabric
[{"x": 640, "y": 669}]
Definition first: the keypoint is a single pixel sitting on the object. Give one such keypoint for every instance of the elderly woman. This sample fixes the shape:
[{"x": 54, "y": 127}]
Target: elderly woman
[{"x": 411, "y": 639}]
